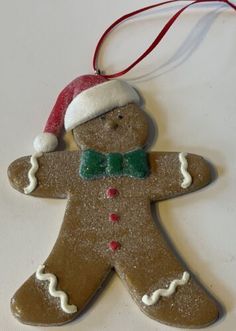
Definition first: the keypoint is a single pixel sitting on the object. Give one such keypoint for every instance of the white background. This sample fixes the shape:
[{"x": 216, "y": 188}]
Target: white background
[{"x": 188, "y": 84}]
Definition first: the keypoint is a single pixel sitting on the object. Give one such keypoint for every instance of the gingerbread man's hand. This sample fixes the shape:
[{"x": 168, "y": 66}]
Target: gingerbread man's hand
[
  {"x": 48, "y": 174},
  {"x": 174, "y": 174}
]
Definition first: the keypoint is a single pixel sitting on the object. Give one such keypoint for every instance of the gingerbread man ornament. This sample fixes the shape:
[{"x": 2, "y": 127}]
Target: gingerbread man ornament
[{"x": 110, "y": 183}]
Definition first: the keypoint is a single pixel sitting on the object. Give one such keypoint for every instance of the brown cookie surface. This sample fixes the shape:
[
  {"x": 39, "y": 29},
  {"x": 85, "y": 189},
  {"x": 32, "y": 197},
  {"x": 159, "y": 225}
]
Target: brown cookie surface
[
  {"x": 108, "y": 225},
  {"x": 123, "y": 129}
]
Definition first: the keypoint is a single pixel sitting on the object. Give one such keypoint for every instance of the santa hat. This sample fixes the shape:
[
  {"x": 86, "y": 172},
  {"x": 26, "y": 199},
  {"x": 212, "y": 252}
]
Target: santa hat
[{"x": 83, "y": 99}]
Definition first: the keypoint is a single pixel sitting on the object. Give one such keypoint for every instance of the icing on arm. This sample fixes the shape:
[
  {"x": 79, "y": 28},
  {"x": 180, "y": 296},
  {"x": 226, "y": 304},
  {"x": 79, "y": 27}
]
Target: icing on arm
[
  {"x": 187, "y": 179},
  {"x": 31, "y": 173},
  {"x": 155, "y": 296},
  {"x": 40, "y": 275}
]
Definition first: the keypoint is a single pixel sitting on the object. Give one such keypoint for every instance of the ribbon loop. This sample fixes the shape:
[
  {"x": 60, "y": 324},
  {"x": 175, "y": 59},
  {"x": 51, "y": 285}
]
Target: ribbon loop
[{"x": 157, "y": 40}]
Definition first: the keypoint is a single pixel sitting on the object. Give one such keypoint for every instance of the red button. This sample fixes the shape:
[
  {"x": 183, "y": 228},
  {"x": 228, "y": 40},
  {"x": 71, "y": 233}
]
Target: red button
[
  {"x": 114, "y": 245},
  {"x": 111, "y": 192},
  {"x": 114, "y": 217}
]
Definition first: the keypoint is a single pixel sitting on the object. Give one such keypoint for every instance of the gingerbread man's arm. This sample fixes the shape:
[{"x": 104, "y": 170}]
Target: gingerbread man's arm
[
  {"x": 173, "y": 174},
  {"x": 55, "y": 176}
]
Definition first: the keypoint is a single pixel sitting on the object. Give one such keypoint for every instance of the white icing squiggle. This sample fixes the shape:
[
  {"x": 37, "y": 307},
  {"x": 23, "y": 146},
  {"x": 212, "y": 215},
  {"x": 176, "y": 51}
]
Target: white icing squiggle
[
  {"x": 31, "y": 174},
  {"x": 184, "y": 166},
  {"x": 155, "y": 296},
  {"x": 40, "y": 275}
]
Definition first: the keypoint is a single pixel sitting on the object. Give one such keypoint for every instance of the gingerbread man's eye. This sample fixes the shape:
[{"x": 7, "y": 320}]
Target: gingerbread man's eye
[
  {"x": 103, "y": 117},
  {"x": 120, "y": 117}
]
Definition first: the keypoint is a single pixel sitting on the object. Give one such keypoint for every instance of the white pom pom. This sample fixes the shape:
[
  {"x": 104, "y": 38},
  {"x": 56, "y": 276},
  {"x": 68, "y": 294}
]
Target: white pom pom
[{"x": 45, "y": 142}]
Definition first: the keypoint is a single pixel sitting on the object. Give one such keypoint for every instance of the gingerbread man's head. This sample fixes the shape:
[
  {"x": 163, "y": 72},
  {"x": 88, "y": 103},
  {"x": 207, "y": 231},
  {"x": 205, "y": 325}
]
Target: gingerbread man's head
[
  {"x": 104, "y": 115},
  {"x": 120, "y": 130}
]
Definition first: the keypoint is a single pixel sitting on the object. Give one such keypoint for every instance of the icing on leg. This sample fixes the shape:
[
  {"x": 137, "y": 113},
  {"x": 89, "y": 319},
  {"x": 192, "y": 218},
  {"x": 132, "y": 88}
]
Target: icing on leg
[
  {"x": 150, "y": 300},
  {"x": 40, "y": 275}
]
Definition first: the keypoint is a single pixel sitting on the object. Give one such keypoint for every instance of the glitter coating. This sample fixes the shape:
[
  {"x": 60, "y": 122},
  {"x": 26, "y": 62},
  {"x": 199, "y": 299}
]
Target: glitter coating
[{"x": 81, "y": 259}]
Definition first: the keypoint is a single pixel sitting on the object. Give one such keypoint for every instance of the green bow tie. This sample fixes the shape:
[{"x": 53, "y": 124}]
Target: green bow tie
[{"x": 95, "y": 165}]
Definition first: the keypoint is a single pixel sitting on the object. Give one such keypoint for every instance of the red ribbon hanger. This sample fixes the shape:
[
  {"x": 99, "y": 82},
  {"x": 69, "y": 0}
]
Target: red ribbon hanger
[{"x": 157, "y": 40}]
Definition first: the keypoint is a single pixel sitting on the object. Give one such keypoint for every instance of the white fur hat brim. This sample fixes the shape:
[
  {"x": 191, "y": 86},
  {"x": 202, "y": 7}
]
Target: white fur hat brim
[{"x": 98, "y": 100}]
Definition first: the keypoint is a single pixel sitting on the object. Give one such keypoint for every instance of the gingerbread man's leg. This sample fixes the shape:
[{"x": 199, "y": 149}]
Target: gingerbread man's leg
[
  {"x": 161, "y": 286},
  {"x": 73, "y": 268}
]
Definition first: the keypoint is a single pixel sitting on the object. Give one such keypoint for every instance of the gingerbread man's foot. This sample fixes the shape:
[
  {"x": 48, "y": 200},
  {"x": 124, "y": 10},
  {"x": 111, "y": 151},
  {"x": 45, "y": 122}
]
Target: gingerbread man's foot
[
  {"x": 175, "y": 300},
  {"x": 163, "y": 289},
  {"x": 46, "y": 299},
  {"x": 185, "y": 305},
  {"x": 33, "y": 304},
  {"x": 59, "y": 290}
]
